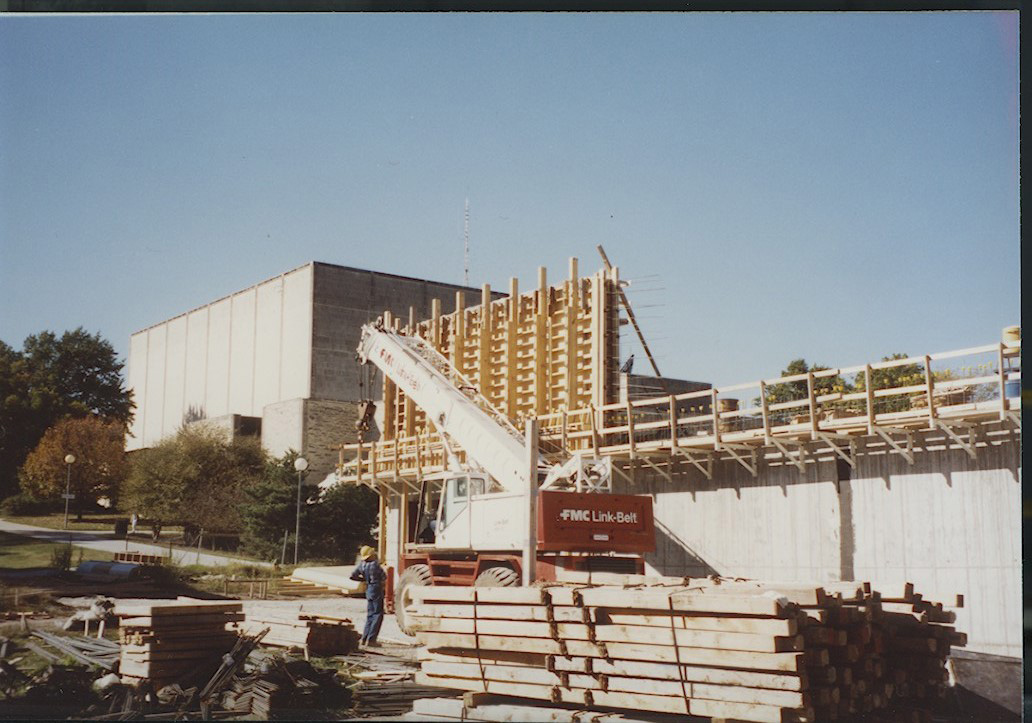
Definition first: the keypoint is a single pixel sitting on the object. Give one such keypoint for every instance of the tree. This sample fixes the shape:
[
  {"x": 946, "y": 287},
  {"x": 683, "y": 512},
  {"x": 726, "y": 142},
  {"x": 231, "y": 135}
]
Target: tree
[
  {"x": 905, "y": 375},
  {"x": 99, "y": 467},
  {"x": 333, "y": 525},
  {"x": 796, "y": 390},
  {"x": 196, "y": 477},
  {"x": 75, "y": 375}
]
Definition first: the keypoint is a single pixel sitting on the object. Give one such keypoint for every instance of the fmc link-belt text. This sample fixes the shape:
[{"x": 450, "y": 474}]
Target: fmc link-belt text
[{"x": 629, "y": 518}]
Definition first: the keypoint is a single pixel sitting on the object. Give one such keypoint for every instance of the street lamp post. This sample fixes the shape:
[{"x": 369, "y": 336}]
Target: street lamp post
[
  {"x": 300, "y": 464},
  {"x": 69, "y": 460}
]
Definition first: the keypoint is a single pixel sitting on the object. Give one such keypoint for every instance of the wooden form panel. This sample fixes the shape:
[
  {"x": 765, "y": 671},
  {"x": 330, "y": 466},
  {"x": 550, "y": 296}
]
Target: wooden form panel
[{"x": 531, "y": 354}]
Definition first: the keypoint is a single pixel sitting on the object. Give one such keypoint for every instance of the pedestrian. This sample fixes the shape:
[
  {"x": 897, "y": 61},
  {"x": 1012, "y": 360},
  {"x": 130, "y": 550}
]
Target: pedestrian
[{"x": 370, "y": 572}]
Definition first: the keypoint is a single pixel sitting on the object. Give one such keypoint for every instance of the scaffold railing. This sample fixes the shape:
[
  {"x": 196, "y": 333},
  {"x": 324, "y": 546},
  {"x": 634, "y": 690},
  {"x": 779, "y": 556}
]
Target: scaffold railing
[{"x": 950, "y": 392}]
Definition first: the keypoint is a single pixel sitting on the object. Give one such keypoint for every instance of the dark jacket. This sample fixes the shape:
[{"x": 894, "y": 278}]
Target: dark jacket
[{"x": 373, "y": 575}]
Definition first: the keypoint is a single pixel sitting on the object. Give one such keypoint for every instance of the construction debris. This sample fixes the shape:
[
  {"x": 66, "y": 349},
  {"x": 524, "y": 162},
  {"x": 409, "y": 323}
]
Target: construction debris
[
  {"x": 92, "y": 652},
  {"x": 390, "y": 698},
  {"x": 281, "y": 687},
  {"x": 713, "y": 648}
]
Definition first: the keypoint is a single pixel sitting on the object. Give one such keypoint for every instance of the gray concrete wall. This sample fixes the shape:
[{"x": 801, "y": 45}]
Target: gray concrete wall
[{"x": 949, "y": 524}]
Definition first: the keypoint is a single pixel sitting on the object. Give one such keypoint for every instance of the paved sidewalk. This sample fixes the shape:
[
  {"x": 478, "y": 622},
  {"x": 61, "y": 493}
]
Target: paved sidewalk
[{"x": 107, "y": 542}]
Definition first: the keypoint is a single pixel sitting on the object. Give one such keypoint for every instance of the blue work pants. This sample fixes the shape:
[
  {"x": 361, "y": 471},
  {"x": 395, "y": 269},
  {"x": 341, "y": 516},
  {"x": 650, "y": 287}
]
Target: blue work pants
[{"x": 374, "y": 613}]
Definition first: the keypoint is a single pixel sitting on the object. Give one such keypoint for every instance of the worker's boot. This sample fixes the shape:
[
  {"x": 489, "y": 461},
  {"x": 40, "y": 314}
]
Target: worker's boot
[{"x": 372, "y": 644}]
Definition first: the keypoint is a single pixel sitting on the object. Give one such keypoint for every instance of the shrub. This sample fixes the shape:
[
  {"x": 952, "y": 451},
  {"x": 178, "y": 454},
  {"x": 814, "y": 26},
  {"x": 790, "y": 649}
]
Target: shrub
[{"x": 25, "y": 504}]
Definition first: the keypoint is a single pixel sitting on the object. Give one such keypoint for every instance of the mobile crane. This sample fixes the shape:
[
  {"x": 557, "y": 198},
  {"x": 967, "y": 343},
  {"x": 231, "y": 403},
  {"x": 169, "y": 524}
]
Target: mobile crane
[{"x": 479, "y": 526}]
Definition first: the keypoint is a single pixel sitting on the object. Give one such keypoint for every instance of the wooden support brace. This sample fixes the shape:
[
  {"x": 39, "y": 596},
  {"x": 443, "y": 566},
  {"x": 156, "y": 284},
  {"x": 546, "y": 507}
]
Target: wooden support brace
[
  {"x": 753, "y": 467},
  {"x": 707, "y": 470},
  {"x": 905, "y": 452},
  {"x": 831, "y": 439},
  {"x": 798, "y": 459},
  {"x": 950, "y": 430},
  {"x": 659, "y": 471}
]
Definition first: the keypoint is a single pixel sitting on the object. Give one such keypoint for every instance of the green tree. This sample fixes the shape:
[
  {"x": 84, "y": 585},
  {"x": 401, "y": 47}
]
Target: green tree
[
  {"x": 74, "y": 375},
  {"x": 99, "y": 467},
  {"x": 905, "y": 375},
  {"x": 333, "y": 525},
  {"x": 196, "y": 477},
  {"x": 795, "y": 390}
]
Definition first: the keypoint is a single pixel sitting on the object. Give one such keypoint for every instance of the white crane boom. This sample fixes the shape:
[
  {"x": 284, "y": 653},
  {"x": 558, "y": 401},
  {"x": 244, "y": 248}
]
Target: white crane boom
[{"x": 459, "y": 412}]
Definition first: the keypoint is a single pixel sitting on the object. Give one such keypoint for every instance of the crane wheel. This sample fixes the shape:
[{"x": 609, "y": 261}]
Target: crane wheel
[
  {"x": 500, "y": 576},
  {"x": 414, "y": 575}
]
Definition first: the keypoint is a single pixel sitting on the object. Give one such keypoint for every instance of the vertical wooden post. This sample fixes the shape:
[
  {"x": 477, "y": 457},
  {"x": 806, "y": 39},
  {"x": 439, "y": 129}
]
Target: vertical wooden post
[
  {"x": 512, "y": 323},
  {"x": 565, "y": 439},
  {"x": 435, "y": 324},
  {"x": 929, "y": 390},
  {"x": 458, "y": 350},
  {"x": 530, "y": 525},
  {"x": 630, "y": 428},
  {"x": 715, "y": 409},
  {"x": 570, "y": 352},
  {"x": 1003, "y": 383},
  {"x": 484, "y": 367},
  {"x": 765, "y": 412},
  {"x": 673, "y": 421},
  {"x": 870, "y": 399},
  {"x": 403, "y": 525},
  {"x": 812, "y": 397},
  {"x": 541, "y": 344},
  {"x": 382, "y": 542}
]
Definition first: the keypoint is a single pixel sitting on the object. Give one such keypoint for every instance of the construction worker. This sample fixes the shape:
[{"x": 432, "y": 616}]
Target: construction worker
[{"x": 373, "y": 576}]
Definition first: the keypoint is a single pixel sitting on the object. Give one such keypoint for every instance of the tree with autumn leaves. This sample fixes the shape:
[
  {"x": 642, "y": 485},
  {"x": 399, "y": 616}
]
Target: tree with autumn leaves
[{"x": 99, "y": 468}]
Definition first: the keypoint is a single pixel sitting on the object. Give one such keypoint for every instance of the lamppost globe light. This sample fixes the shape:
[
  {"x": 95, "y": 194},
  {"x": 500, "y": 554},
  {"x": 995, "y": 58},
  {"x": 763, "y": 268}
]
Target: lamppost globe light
[
  {"x": 300, "y": 464},
  {"x": 70, "y": 459}
]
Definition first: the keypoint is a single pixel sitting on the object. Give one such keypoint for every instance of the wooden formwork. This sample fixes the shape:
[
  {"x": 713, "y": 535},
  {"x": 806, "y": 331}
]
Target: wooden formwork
[{"x": 531, "y": 354}]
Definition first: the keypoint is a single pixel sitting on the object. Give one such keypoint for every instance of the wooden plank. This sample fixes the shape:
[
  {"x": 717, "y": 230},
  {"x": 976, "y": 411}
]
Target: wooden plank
[
  {"x": 614, "y": 634},
  {"x": 787, "y": 662}
]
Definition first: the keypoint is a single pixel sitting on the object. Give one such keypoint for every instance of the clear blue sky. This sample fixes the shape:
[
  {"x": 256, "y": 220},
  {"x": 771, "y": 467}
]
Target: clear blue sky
[{"x": 832, "y": 186}]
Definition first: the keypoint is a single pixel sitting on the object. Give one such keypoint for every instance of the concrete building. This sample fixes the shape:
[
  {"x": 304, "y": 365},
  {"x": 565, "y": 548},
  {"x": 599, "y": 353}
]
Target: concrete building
[{"x": 276, "y": 360}]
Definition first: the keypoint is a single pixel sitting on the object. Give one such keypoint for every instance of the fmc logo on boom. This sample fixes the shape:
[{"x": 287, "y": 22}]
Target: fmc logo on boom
[{"x": 622, "y": 518}]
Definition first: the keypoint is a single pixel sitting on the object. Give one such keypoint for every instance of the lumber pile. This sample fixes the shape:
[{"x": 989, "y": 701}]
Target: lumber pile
[
  {"x": 738, "y": 649},
  {"x": 381, "y": 698},
  {"x": 500, "y": 709},
  {"x": 280, "y": 687},
  {"x": 302, "y": 588},
  {"x": 315, "y": 633},
  {"x": 167, "y": 642}
]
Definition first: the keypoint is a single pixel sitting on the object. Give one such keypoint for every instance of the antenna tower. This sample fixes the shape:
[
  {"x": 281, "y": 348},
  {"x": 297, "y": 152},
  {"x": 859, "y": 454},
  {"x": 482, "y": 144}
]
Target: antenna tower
[{"x": 465, "y": 256}]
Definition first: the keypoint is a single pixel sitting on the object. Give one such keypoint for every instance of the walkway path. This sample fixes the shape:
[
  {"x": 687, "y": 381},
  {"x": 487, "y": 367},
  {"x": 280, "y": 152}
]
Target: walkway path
[{"x": 107, "y": 542}]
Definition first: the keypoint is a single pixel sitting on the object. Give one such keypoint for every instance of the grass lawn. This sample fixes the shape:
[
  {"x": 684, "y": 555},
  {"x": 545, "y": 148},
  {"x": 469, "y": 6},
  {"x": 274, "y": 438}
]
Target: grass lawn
[{"x": 19, "y": 553}]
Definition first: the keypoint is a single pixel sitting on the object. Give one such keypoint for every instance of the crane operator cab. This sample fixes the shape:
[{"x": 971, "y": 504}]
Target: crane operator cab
[{"x": 444, "y": 517}]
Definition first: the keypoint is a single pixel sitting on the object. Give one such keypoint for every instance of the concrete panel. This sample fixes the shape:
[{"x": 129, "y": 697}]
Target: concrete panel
[
  {"x": 153, "y": 400},
  {"x": 241, "y": 360},
  {"x": 175, "y": 375},
  {"x": 949, "y": 524},
  {"x": 283, "y": 426},
  {"x": 268, "y": 342},
  {"x": 195, "y": 400},
  {"x": 296, "y": 352},
  {"x": 136, "y": 382},
  {"x": 217, "y": 377}
]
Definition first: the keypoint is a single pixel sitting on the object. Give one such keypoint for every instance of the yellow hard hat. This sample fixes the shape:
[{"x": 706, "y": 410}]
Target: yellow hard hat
[{"x": 366, "y": 552}]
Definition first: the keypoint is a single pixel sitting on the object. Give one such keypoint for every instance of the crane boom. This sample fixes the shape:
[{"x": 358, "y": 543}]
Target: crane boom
[{"x": 460, "y": 413}]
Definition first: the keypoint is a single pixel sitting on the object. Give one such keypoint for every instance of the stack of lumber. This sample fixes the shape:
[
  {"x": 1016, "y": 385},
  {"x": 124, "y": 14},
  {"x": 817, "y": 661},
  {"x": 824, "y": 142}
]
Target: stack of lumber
[
  {"x": 381, "y": 698},
  {"x": 302, "y": 588},
  {"x": 168, "y": 642},
  {"x": 315, "y": 633},
  {"x": 711, "y": 648},
  {"x": 499, "y": 709}
]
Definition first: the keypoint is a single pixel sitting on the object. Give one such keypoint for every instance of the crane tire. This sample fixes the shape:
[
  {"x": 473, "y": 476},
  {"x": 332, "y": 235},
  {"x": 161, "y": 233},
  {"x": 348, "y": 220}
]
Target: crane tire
[
  {"x": 499, "y": 576},
  {"x": 414, "y": 575}
]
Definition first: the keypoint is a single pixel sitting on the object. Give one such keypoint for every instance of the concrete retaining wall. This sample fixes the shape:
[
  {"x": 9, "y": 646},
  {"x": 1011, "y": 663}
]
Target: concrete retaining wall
[{"x": 947, "y": 523}]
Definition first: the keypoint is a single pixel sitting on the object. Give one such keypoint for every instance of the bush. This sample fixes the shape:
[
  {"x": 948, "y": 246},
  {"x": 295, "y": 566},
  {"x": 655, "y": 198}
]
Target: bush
[
  {"x": 61, "y": 557},
  {"x": 24, "y": 504}
]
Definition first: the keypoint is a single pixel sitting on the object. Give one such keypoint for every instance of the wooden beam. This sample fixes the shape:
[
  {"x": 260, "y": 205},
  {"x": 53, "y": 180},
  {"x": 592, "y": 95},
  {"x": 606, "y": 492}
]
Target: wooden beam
[
  {"x": 731, "y": 449},
  {"x": 798, "y": 459},
  {"x": 634, "y": 322},
  {"x": 905, "y": 452},
  {"x": 967, "y": 446},
  {"x": 707, "y": 471},
  {"x": 832, "y": 439}
]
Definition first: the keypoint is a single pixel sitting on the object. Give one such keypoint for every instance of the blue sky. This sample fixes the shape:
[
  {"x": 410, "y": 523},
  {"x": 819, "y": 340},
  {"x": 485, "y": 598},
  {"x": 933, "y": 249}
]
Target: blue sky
[{"x": 828, "y": 185}]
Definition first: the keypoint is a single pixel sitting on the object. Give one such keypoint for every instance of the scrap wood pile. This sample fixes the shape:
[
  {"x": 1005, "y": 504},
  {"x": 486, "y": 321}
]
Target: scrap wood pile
[
  {"x": 720, "y": 649},
  {"x": 278, "y": 687},
  {"x": 315, "y": 633},
  {"x": 168, "y": 642},
  {"x": 390, "y": 697}
]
